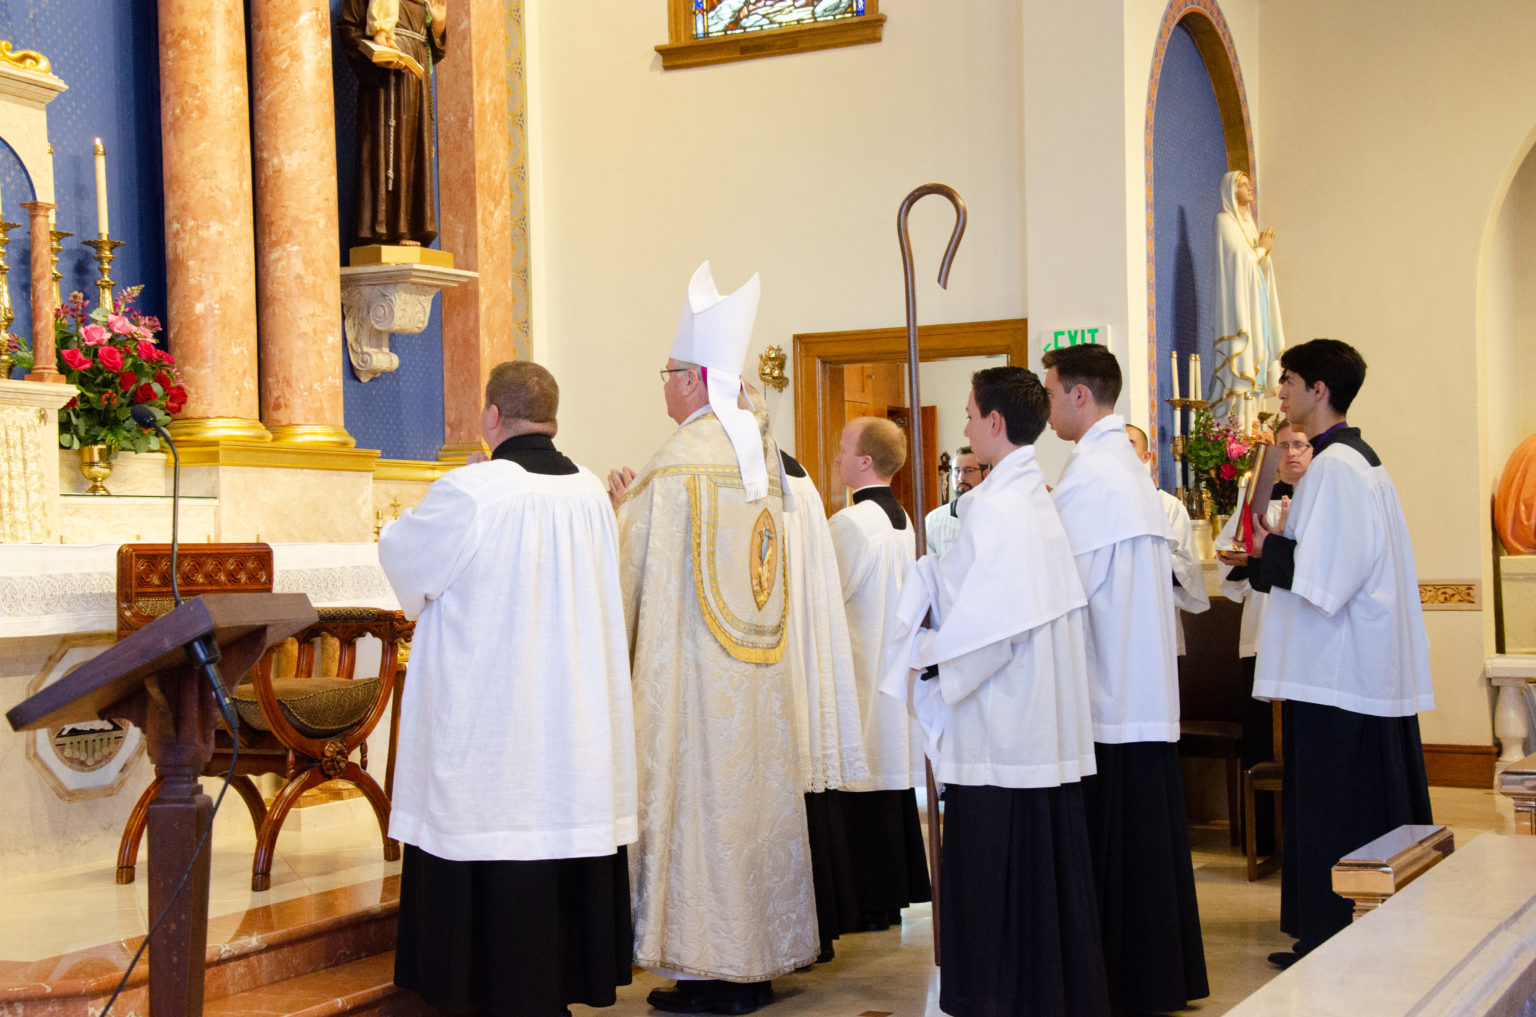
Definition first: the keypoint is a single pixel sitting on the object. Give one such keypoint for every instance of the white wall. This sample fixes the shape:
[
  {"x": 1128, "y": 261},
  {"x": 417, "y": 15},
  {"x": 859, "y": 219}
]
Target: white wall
[
  {"x": 1510, "y": 309},
  {"x": 791, "y": 166},
  {"x": 1391, "y": 133}
]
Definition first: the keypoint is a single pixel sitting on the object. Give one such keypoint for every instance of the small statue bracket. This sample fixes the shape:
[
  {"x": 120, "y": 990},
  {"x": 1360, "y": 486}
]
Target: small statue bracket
[
  {"x": 378, "y": 301},
  {"x": 770, "y": 368}
]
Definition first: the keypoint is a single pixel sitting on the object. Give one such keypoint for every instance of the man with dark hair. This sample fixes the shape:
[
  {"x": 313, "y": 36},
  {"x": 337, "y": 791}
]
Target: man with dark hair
[
  {"x": 1342, "y": 643},
  {"x": 875, "y": 544},
  {"x": 1019, "y": 929},
  {"x": 519, "y": 684},
  {"x": 1121, "y": 543},
  {"x": 942, "y": 524}
]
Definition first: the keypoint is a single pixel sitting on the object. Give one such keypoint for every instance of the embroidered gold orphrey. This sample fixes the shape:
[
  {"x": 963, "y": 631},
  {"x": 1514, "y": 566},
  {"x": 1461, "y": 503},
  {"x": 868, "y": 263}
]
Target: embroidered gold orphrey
[
  {"x": 754, "y": 629},
  {"x": 766, "y": 548}
]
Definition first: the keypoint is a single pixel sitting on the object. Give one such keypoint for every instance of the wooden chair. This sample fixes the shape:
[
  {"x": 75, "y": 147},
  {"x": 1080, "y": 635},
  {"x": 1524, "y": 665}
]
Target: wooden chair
[
  {"x": 302, "y": 709},
  {"x": 1210, "y": 696},
  {"x": 1265, "y": 777}
]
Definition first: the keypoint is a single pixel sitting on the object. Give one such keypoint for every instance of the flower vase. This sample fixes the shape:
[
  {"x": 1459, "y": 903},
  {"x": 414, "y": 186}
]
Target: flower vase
[{"x": 96, "y": 466}]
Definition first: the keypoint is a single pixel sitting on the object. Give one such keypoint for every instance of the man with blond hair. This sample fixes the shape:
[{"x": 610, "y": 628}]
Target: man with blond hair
[{"x": 875, "y": 543}]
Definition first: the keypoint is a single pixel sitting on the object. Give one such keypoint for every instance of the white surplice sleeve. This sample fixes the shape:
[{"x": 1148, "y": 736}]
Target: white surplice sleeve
[
  {"x": 424, "y": 550},
  {"x": 1338, "y": 539}
]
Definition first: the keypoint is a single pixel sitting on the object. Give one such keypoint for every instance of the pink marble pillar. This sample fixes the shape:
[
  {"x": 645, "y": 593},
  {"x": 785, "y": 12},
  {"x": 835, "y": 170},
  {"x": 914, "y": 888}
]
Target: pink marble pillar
[
  {"x": 474, "y": 185},
  {"x": 44, "y": 298},
  {"x": 298, "y": 255},
  {"x": 209, "y": 244}
]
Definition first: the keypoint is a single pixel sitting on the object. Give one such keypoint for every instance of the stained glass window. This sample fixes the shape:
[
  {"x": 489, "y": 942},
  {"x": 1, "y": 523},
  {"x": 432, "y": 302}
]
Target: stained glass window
[{"x": 714, "y": 18}]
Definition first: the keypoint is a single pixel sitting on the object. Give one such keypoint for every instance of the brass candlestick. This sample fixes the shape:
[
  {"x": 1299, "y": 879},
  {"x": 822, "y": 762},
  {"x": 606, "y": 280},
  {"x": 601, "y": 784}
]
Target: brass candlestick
[
  {"x": 7, "y": 315},
  {"x": 55, "y": 246},
  {"x": 104, "y": 246}
]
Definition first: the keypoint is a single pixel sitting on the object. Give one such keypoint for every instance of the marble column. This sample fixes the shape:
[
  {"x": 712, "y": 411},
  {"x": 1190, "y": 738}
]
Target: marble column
[
  {"x": 209, "y": 244},
  {"x": 481, "y": 317},
  {"x": 44, "y": 296},
  {"x": 298, "y": 253}
]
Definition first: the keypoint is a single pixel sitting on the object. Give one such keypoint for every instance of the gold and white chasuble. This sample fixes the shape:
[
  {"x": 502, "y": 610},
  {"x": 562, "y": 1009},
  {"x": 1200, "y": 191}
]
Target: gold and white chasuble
[{"x": 721, "y": 874}]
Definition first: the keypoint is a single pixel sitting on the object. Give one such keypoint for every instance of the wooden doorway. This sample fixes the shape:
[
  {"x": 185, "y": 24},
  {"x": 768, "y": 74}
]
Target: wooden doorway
[{"x": 821, "y": 396}]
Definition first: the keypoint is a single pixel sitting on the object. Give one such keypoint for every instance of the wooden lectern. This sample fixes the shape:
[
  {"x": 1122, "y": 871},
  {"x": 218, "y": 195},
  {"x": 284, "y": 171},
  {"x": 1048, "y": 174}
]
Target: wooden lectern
[{"x": 148, "y": 679}]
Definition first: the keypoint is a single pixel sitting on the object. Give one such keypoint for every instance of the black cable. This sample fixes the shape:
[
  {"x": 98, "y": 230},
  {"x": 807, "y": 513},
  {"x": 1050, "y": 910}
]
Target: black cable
[{"x": 201, "y": 843}]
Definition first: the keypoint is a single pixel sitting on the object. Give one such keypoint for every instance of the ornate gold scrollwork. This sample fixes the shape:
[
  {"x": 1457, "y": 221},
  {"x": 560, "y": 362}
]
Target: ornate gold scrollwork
[
  {"x": 24, "y": 59},
  {"x": 770, "y": 368}
]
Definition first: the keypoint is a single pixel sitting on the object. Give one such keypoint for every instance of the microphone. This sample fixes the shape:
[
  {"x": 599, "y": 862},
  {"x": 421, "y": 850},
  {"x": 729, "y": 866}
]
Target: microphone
[{"x": 203, "y": 651}]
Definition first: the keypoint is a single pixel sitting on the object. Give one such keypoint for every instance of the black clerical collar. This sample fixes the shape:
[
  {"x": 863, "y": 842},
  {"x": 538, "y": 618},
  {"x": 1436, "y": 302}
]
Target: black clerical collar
[
  {"x": 1331, "y": 435},
  {"x": 1281, "y": 490},
  {"x": 535, "y": 453},
  {"x": 882, "y": 496}
]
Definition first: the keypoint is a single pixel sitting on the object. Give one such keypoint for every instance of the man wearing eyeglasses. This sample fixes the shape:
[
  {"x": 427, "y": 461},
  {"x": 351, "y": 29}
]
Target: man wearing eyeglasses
[{"x": 942, "y": 524}]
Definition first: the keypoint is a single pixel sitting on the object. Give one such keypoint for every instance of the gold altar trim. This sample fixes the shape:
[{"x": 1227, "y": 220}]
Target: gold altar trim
[
  {"x": 458, "y": 452},
  {"x": 1452, "y": 595},
  {"x": 213, "y": 429},
  {"x": 271, "y": 455},
  {"x": 312, "y": 435},
  {"x": 392, "y": 254},
  {"x": 24, "y": 59},
  {"x": 411, "y": 469}
]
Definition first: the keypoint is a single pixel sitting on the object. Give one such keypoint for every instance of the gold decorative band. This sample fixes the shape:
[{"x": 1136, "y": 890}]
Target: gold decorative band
[
  {"x": 316, "y": 435},
  {"x": 214, "y": 429},
  {"x": 276, "y": 455},
  {"x": 1451, "y": 596},
  {"x": 24, "y": 59},
  {"x": 410, "y": 469},
  {"x": 459, "y": 451}
]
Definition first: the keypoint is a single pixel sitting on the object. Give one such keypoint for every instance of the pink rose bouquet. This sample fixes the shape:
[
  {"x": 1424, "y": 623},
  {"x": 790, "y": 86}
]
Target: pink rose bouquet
[
  {"x": 1218, "y": 456},
  {"x": 113, "y": 359}
]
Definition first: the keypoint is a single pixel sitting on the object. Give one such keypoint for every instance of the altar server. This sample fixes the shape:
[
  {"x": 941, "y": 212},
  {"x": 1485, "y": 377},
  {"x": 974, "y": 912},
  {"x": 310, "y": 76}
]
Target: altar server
[
  {"x": 1343, "y": 644},
  {"x": 1189, "y": 592},
  {"x": 515, "y": 771},
  {"x": 1003, "y": 698},
  {"x": 942, "y": 524},
  {"x": 722, "y": 875},
  {"x": 875, "y": 542},
  {"x": 1121, "y": 542},
  {"x": 824, "y": 697}
]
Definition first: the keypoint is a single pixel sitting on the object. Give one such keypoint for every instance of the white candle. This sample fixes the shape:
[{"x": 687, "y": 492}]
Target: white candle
[
  {"x": 1173, "y": 355},
  {"x": 101, "y": 189},
  {"x": 1194, "y": 376}
]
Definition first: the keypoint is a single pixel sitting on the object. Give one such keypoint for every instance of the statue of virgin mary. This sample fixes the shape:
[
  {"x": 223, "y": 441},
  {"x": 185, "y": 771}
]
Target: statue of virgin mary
[{"x": 1249, "y": 337}]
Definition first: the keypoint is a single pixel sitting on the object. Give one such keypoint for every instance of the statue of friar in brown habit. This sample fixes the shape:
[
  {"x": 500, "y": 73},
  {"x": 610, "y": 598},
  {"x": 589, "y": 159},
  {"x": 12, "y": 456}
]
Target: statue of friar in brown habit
[{"x": 392, "y": 46}]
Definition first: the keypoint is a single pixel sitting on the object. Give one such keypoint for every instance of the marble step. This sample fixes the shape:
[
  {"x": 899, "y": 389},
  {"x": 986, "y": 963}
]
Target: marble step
[
  {"x": 288, "y": 948},
  {"x": 362, "y": 987}
]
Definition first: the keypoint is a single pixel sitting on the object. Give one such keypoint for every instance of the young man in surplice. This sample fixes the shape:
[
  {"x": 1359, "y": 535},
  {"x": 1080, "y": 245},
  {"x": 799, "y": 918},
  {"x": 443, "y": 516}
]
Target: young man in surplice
[
  {"x": 875, "y": 543},
  {"x": 1153, "y": 952}
]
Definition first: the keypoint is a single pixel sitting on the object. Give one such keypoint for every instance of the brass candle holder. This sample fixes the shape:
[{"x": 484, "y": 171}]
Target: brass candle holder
[
  {"x": 7, "y": 314},
  {"x": 104, "y": 246},
  {"x": 55, "y": 246}
]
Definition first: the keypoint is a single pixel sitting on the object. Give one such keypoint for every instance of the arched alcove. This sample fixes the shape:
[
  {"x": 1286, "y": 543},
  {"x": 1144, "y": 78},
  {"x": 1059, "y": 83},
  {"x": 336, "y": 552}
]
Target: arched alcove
[{"x": 1197, "y": 128}]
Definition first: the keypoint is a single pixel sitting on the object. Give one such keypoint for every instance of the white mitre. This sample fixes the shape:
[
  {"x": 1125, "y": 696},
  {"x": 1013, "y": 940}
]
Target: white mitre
[{"x": 713, "y": 332}]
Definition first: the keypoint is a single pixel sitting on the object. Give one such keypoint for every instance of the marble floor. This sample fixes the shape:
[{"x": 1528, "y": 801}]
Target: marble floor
[{"x": 874, "y": 974}]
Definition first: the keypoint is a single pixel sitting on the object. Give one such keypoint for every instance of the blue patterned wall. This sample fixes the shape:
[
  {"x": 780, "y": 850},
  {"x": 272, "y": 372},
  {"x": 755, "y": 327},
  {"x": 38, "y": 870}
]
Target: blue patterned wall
[
  {"x": 1189, "y": 157},
  {"x": 104, "y": 51},
  {"x": 399, "y": 413}
]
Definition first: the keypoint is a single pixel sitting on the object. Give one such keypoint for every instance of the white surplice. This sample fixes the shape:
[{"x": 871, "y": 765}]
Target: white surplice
[
  {"x": 872, "y": 559},
  {"x": 721, "y": 874},
  {"x": 823, "y": 690},
  {"x": 940, "y": 527},
  {"x": 1120, "y": 539},
  {"x": 516, "y": 736},
  {"x": 1350, "y": 631},
  {"x": 1189, "y": 595},
  {"x": 1010, "y": 705},
  {"x": 1239, "y": 590}
]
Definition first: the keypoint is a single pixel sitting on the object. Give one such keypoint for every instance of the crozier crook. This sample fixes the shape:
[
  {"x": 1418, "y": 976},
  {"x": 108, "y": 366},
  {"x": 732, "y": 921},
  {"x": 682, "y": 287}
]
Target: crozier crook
[{"x": 920, "y": 509}]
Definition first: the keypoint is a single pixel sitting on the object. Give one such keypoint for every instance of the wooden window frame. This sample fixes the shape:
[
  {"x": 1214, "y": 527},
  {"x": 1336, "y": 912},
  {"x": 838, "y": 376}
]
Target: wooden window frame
[
  {"x": 819, "y": 359},
  {"x": 683, "y": 50}
]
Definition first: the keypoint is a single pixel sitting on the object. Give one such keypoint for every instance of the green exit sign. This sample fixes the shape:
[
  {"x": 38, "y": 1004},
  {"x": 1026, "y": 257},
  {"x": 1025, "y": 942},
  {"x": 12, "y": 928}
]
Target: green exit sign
[{"x": 1082, "y": 335}]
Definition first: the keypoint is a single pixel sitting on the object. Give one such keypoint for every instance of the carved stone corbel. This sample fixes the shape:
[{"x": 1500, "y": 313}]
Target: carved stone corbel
[{"x": 378, "y": 301}]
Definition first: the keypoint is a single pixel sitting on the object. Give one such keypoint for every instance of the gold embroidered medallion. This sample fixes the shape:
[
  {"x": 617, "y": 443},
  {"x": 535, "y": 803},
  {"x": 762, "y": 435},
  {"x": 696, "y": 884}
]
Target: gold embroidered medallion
[{"x": 765, "y": 558}]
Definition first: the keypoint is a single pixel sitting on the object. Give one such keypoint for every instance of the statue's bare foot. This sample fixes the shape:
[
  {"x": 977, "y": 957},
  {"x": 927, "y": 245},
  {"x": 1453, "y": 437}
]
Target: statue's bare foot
[{"x": 410, "y": 243}]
